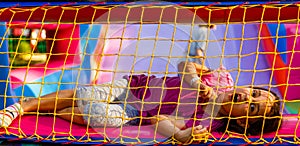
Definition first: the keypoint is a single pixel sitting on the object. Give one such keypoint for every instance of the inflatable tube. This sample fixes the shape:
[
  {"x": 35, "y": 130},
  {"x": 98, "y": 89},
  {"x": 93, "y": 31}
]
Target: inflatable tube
[
  {"x": 5, "y": 86},
  {"x": 279, "y": 31},
  {"x": 274, "y": 60}
]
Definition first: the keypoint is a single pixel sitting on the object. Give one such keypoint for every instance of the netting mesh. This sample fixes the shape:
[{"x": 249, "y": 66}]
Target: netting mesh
[{"x": 45, "y": 49}]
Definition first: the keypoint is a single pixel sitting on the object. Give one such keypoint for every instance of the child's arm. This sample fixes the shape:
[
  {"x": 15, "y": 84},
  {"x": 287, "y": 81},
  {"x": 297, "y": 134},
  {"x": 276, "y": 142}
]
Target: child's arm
[
  {"x": 176, "y": 120},
  {"x": 190, "y": 72},
  {"x": 199, "y": 53},
  {"x": 170, "y": 126}
]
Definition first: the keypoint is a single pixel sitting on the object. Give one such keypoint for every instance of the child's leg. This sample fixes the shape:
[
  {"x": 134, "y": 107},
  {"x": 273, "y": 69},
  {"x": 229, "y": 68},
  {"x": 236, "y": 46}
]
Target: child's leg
[
  {"x": 57, "y": 100},
  {"x": 94, "y": 108},
  {"x": 107, "y": 92},
  {"x": 50, "y": 102},
  {"x": 60, "y": 100},
  {"x": 108, "y": 115},
  {"x": 72, "y": 114}
]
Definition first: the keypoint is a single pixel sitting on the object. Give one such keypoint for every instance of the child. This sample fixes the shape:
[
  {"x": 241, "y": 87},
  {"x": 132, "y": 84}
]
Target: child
[{"x": 199, "y": 101}]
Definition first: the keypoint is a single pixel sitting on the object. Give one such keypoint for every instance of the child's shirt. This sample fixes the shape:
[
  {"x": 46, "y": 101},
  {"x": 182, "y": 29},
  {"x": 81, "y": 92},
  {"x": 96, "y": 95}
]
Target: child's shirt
[{"x": 153, "y": 96}]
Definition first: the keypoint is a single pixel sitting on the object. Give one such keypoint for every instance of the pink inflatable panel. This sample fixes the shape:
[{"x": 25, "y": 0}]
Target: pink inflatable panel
[
  {"x": 26, "y": 75},
  {"x": 46, "y": 126},
  {"x": 294, "y": 60},
  {"x": 67, "y": 43}
]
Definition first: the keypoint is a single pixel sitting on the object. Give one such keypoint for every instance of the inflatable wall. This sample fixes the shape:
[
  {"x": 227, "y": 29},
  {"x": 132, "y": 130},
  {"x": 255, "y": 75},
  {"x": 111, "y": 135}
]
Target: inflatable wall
[{"x": 149, "y": 49}]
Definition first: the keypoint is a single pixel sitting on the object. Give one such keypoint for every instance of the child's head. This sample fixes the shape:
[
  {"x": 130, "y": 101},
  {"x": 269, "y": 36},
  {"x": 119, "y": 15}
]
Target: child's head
[{"x": 252, "y": 110}]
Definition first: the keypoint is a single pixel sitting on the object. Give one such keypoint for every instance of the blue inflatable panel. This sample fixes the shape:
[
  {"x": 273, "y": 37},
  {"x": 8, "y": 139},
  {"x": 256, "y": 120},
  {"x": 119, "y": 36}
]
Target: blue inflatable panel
[{"x": 5, "y": 87}]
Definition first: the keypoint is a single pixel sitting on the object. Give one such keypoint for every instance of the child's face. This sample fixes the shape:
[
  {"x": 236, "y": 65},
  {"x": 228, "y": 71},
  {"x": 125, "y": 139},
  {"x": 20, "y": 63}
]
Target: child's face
[{"x": 247, "y": 102}]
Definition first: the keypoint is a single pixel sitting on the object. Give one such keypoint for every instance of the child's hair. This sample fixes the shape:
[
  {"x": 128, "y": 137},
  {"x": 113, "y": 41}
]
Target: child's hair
[{"x": 270, "y": 123}]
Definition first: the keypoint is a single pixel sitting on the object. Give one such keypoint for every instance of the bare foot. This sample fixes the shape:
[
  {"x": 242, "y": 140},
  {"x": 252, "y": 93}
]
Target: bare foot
[{"x": 191, "y": 134}]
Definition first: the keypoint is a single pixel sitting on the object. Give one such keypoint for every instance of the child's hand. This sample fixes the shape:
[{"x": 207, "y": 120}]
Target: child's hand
[
  {"x": 200, "y": 134},
  {"x": 205, "y": 91}
]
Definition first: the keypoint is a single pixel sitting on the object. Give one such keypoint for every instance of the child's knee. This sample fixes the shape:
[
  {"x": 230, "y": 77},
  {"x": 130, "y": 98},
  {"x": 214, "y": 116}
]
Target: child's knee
[{"x": 102, "y": 114}]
